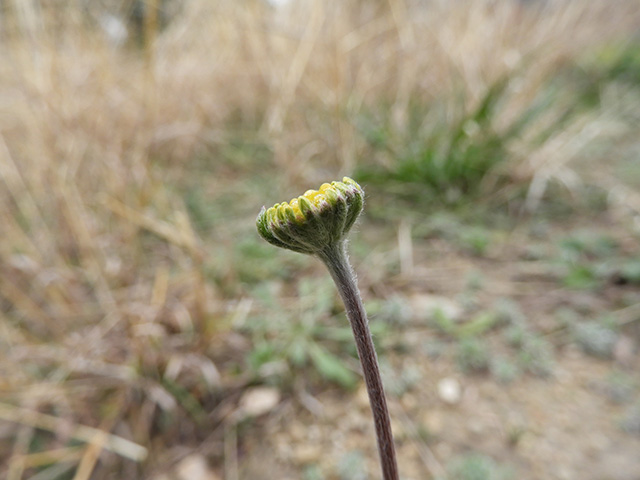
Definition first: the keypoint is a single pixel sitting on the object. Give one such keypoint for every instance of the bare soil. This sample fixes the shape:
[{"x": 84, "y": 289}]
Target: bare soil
[{"x": 574, "y": 422}]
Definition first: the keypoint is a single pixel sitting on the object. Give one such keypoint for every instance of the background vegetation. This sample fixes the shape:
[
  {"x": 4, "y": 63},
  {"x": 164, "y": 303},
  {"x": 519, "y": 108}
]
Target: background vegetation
[{"x": 143, "y": 323}]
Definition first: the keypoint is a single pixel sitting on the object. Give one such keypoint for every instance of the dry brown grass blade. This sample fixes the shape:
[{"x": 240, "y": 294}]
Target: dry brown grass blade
[
  {"x": 620, "y": 195},
  {"x": 114, "y": 443},
  {"x": 16, "y": 468},
  {"x": 90, "y": 457},
  {"x": 40, "y": 459},
  {"x": 276, "y": 116},
  {"x": 407, "y": 70},
  {"x": 180, "y": 237},
  {"x": 78, "y": 218},
  {"x": 23, "y": 302},
  {"x": 17, "y": 187},
  {"x": 160, "y": 287}
]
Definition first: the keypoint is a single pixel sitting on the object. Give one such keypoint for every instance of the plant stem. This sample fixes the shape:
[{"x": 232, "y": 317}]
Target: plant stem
[{"x": 336, "y": 260}]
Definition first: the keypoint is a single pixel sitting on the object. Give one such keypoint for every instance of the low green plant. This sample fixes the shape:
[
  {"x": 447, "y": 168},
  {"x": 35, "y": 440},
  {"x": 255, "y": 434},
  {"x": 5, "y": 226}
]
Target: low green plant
[
  {"x": 503, "y": 369},
  {"x": 630, "y": 421},
  {"x": 313, "y": 472},
  {"x": 620, "y": 386},
  {"x": 476, "y": 326},
  {"x": 586, "y": 244},
  {"x": 597, "y": 338},
  {"x": 630, "y": 271},
  {"x": 508, "y": 311},
  {"x": 472, "y": 352},
  {"x": 582, "y": 256},
  {"x": 472, "y": 355},
  {"x": 533, "y": 353},
  {"x": 474, "y": 281},
  {"x": 351, "y": 466},
  {"x": 288, "y": 339},
  {"x": 581, "y": 276},
  {"x": 613, "y": 62},
  {"x": 536, "y": 356},
  {"x": 448, "y": 160},
  {"x": 399, "y": 384},
  {"x": 476, "y": 240},
  {"x": 392, "y": 311},
  {"x": 477, "y": 466},
  {"x": 516, "y": 335}
]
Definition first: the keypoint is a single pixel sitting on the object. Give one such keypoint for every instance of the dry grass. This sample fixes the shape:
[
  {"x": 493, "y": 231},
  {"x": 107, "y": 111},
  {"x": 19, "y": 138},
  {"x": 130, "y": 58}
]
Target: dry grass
[{"x": 109, "y": 332}]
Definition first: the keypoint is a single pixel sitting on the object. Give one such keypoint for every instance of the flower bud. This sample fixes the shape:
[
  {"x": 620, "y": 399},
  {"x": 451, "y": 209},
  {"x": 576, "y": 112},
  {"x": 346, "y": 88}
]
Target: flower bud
[{"x": 315, "y": 220}]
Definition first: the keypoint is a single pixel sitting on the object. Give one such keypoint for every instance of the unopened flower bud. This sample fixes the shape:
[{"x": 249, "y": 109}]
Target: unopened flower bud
[{"x": 315, "y": 220}]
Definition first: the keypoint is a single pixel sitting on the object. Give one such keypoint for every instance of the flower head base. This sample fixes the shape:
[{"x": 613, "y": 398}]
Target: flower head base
[{"x": 315, "y": 220}]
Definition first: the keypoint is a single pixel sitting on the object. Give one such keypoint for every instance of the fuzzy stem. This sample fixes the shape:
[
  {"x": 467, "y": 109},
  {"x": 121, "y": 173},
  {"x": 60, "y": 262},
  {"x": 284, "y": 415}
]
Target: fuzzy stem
[{"x": 336, "y": 260}]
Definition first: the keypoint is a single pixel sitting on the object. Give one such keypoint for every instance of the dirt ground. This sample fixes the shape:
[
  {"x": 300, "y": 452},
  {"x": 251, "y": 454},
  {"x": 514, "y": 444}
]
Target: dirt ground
[{"x": 574, "y": 420}]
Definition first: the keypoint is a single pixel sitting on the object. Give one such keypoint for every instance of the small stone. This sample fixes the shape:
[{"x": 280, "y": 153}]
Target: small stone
[
  {"x": 476, "y": 426},
  {"x": 434, "y": 422},
  {"x": 298, "y": 432},
  {"x": 409, "y": 401},
  {"x": 307, "y": 453},
  {"x": 195, "y": 467},
  {"x": 258, "y": 401},
  {"x": 362, "y": 397},
  {"x": 449, "y": 390},
  {"x": 624, "y": 351},
  {"x": 399, "y": 431},
  {"x": 425, "y": 306}
]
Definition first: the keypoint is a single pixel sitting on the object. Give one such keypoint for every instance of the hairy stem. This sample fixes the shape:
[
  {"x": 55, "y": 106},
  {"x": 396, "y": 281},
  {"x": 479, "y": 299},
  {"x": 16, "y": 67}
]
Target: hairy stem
[{"x": 336, "y": 260}]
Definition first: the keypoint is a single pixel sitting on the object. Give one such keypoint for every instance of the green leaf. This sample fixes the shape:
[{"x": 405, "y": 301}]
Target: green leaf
[
  {"x": 480, "y": 324},
  {"x": 331, "y": 367},
  {"x": 631, "y": 271},
  {"x": 443, "y": 322},
  {"x": 298, "y": 352},
  {"x": 261, "y": 354},
  {"x": 581, "y": 277}
]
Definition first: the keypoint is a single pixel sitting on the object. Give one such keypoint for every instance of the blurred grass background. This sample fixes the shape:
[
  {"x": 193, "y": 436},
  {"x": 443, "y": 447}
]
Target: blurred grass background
[{"x": 138, "y": 141}]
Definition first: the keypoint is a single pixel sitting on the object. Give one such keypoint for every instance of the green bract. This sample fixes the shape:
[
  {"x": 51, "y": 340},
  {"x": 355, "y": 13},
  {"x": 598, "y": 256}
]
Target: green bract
[{"x": 315, "y": 220}]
